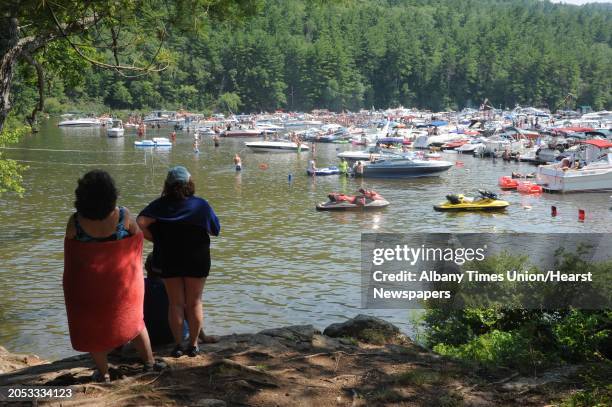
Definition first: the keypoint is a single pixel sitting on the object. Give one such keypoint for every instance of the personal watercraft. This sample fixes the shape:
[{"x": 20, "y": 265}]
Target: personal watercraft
[
  {"x": 367, "y": 200},
  {"x": 487, "y": 201}
]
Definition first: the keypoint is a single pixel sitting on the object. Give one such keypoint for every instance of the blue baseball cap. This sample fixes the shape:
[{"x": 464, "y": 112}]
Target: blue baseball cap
[{"x": 178, "y": 174}]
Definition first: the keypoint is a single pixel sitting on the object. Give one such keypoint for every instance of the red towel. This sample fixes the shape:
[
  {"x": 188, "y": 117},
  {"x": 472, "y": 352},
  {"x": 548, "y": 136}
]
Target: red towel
[{"x": 104, "y": 292}]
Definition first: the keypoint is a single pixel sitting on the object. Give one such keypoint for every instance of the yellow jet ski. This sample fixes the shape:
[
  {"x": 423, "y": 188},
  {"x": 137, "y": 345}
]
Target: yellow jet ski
[{"x": 487, "y": 201}]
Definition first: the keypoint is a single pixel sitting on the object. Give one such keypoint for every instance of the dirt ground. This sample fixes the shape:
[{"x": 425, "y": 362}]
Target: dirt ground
[{"x": 292, "y": 366}]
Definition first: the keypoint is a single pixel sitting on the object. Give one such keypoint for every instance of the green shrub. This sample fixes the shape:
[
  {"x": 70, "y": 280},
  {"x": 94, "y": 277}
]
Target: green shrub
[{"x": 495, "y": 348}]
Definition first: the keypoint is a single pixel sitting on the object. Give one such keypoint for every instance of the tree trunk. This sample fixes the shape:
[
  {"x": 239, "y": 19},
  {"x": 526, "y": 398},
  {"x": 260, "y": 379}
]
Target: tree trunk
[{"x": 10, "y": 51}]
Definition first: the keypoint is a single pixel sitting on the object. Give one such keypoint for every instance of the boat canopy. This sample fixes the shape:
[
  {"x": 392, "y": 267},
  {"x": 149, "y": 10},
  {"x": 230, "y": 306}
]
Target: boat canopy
[
  {"x": 599, "y": 143},
  {"x": 573, "y": 129},
  {"x": 439, "y": 123}
]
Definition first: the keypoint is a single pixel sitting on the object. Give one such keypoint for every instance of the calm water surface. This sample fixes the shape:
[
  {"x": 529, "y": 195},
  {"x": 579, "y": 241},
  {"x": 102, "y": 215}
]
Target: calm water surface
[{"x": 277, "y": 262}]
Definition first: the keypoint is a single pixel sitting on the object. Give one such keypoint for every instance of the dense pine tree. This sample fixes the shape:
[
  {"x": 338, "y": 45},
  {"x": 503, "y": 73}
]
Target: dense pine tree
[{"x": 440, "y": 54}]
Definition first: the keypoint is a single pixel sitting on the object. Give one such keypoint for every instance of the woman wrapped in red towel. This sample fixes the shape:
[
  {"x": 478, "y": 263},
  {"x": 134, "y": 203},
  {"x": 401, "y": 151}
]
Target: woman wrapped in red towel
[{"x": 103, "y": 279}]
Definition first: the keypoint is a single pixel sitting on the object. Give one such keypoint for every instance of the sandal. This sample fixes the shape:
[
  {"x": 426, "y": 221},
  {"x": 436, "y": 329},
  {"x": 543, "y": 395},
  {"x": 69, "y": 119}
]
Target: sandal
[
  {"x": 193, "y": 351},
  {"x": 177, "y": 352},
  {"x": 156, "y": 366},
  {"x": 98, "y": 377}
]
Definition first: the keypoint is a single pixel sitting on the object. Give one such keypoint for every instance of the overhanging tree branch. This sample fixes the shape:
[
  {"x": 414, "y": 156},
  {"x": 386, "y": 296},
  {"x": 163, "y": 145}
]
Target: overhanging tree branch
[
  {"x": 41, "y": 87},
  {"x": 119, "y": 68}
]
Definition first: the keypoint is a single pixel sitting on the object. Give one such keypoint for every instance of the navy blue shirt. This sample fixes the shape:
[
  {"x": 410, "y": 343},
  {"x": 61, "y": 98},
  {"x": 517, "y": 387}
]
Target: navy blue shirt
[{"x": 181, "y": 235}]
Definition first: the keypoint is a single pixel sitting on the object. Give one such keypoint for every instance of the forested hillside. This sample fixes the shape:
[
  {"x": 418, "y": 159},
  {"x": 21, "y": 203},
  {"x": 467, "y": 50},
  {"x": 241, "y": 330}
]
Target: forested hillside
[{"x": 300, "y": 55}]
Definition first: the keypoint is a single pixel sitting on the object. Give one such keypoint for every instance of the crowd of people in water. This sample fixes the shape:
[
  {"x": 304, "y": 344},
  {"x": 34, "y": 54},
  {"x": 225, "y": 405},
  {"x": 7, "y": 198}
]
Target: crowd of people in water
[{"x": 179, "y": 224}]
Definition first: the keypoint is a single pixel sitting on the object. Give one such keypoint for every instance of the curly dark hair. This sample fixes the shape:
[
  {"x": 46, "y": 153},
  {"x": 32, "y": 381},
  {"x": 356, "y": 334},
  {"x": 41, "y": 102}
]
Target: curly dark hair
[
  {"x": 178, "y": 190},
  {"x": 96, "y": 195}
]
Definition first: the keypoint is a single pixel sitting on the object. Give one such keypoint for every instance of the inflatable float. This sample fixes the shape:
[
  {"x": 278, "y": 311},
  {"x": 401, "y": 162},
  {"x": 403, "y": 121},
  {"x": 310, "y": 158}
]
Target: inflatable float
[
  {"x": 367, "y": 200},
  {"x": 323, "y": 171},
  {"x": 526, "y": 187},
  {"x": 507, "y": 182}
]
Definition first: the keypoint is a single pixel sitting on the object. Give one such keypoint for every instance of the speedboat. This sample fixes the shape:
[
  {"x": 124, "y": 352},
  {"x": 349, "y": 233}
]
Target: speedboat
[
  {"x": 268, "y": 127},
  {"x": 487, "y": 201},
  {"x": 82, "y": 122},
  {"x": 367, "y": 200},
  {"x": 475, "y": 146},
  {"x": 391, "y": 165},
  {"x": 116, "y": 129},
  {"x": 281, "y": 146},
  {"x": 155, "y": 142},
  {"x": 371, "y": 152},
  {"x": 242, "y": 133}
]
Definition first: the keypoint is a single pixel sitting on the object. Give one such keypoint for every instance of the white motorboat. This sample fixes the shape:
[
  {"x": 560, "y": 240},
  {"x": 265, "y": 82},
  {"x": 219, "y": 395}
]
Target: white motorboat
[
  {"x": 116, "y": 129},
  {"x": 155, "y": 142},
  {"x": 403, "y": 166},
  {"x": 242, "y": 133},
  {"x": 475, "y": 146},
  {"x": 81, "y": 122},
  {"x": 595, "y": 176},
  {"x": 159, "y": 117},
  {"x": 371, "y": 152},
  {"x": 268, "y": 127},
  {"x": 303, "y": 123},
  {"x": 496, "y": 145},
  {"x": 440, "y": 139},
  {"x": 281, "y": 146}
]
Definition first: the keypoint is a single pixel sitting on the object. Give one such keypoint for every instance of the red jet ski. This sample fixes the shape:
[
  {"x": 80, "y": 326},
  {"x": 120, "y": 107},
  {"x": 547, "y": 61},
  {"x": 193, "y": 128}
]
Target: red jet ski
[{"x": 367, "y": 200}]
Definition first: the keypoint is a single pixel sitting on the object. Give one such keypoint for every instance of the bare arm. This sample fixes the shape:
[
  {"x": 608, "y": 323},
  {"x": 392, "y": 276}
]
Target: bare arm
[
  {"x": 144, "y": 222},
  {"x": 130, "y": 224}
]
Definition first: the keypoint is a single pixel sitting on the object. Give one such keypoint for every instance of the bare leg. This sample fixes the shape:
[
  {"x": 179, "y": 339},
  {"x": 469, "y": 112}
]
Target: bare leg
[
  {"x": 101, "y": 361},
  {"x": 175, "y": 289},
  {"x": 143, "y": 346},
  {"x": 193, "y": 307}
]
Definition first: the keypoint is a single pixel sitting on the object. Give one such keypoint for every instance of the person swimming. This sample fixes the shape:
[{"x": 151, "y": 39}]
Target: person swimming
[{"x": 238, "y": 162}]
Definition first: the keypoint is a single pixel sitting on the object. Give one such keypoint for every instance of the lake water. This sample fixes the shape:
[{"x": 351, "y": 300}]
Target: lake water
[{"x": 277, "y": 262}]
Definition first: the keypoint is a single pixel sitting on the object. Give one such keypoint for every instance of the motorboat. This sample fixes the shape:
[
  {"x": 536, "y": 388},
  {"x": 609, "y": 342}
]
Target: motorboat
[
  {"x": 81, "y": 122},
  {"x": 367, "y": 200},
  {"x": 596, "y": 175},
  {"x": 454, "y": 144},
  {"x": 391, "y": 165},
  {"x": 268, "y": 127},
  {"x": 158, "y": 117},
  {"x": 371, "y": 152},
  {"x": 281, "y": 146},
  {"x": 242, "y": 133},
  {"x": 155, "y": 142},
  {"x": 486, "y": 201},
  {"x": 475, "y": 146},
  {"x": 496, "y": 145},
  {"x": 116, "y": 129}
]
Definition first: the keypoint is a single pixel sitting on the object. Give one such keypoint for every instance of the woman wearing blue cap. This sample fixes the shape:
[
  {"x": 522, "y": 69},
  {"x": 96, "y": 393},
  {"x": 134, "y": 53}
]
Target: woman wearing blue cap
[{"x": 179, "y": 224}]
